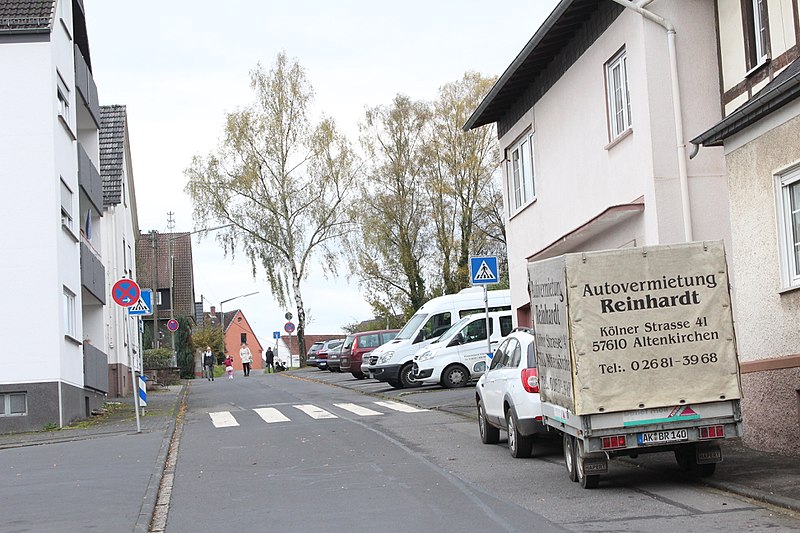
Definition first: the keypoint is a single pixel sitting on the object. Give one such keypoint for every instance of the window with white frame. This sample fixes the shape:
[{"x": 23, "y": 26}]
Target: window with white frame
[
  {"x": 62, "y": 93},
  {"x": 13, "y": 404},
  {"x": 789, "y": 226},
  {"x": 521, "y": 186},
  {"x": 757, "y": 31},
  {"x": 66, "y": 205},
  {"x": 70, "y": 316},
  {"x": 619, "y": 100}
]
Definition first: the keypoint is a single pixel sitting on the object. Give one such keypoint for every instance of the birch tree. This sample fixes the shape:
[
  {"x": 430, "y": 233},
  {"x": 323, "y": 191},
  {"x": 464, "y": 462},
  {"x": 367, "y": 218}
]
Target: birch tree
[{"x": 281, "y": 180}]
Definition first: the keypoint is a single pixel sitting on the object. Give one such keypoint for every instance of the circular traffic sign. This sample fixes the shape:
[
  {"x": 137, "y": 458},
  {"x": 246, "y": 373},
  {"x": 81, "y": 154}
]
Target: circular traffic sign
[
  {"x": 172, "y": 325},
  {"x": 126, "y": 292},
  {"x": 288, "y": 327},
  {"x": 288, "y": 315}
]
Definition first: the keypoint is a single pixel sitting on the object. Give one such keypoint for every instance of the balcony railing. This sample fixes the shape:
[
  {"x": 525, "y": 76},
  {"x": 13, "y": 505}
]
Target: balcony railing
[
  {"x": 90, "y": 180},
  {"x": 87, "y": 89},
  {"x": 95, "y": 368},
  {"x": 93, "y": 273}
]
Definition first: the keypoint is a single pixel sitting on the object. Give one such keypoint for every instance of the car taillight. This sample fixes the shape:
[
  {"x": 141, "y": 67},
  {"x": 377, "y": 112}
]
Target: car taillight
[
  {"x": 610, "y": 443},
  {"x": 712, "y": 432},
  {"x": 530, "y": 379},
  {"x": 355, "y": 344}
]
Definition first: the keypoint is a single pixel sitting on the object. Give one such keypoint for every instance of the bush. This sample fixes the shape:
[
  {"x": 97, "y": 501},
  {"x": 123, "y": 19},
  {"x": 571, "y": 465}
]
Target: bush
[{"x": 157, "y": 358}]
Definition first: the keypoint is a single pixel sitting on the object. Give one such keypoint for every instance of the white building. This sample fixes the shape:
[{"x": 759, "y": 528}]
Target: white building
[
  {"x": 53, "y": 281},
  {"x": 121, "y": 227},
  {"x": 587, "y": 116},
  {"x": 760, "y": 58}
]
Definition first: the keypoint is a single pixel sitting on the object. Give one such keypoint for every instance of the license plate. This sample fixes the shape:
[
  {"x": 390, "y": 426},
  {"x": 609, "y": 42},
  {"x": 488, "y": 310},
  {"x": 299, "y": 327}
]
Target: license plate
[{"x": 662, "y": 437}]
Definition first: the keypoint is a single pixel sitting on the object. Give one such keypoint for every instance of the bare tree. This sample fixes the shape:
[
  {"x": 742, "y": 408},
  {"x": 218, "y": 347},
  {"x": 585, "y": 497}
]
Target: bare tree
[{"x": 280, "y": 180}]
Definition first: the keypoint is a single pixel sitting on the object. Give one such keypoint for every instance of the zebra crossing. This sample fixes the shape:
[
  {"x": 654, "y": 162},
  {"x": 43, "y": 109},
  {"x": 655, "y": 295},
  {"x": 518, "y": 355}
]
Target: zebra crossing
[{"x": 273, "y": 415}]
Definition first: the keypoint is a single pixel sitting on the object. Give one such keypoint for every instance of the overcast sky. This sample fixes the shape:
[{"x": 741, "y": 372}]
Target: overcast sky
[{"x": 179, "y": 66}]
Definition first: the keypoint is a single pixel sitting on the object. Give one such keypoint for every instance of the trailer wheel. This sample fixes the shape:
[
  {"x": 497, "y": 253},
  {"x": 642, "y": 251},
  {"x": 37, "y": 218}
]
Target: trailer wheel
[
  {"x": 489, "y": 433},
  {"x": 569, "y": 456},
  {"x": 519, "y": 445},
  {"x": 587, "y": 482}
]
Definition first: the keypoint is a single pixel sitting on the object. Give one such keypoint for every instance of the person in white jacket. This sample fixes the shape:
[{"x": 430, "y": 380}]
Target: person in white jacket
[{"x": 247, "y": 358}]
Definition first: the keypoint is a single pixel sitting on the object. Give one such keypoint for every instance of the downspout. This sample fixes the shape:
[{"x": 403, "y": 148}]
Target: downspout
[{"x": 683, "y": 174}]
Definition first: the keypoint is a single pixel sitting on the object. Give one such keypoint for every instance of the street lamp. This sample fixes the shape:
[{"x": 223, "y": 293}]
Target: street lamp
[
  {"x": 222, "y": 316},
  {"x": 171, "y": 281}
]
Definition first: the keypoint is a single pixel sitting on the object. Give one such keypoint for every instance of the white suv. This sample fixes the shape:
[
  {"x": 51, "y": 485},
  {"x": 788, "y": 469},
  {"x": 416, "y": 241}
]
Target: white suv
[{"x": 507, "y": 395}]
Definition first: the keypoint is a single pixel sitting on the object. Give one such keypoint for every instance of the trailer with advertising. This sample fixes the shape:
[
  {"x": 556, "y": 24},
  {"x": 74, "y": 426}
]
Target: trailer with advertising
[{"x": 636, "y": 353}]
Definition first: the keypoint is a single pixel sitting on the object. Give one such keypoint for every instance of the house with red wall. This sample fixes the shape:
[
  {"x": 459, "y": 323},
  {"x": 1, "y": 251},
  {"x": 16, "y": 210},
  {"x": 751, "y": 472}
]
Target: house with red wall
[{"x": 237, "y": 331}]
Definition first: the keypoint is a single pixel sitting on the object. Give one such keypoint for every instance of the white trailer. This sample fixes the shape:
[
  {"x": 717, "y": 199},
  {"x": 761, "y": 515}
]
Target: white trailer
[{"x": 636, "y": 354}]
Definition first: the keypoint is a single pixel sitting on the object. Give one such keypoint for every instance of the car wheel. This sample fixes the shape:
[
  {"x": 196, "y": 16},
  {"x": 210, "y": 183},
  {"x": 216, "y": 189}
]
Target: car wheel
[
  {"x": 358, "y": 375},
  {"x": 395, "y": 384},
  {"x": 455, "y": 376},
  {"x": 489, "y": 433},
  {"x": 587, "y": 482},
  {"x": 407, "y": 376},
  {"x": 331, "y": 369},
  {"x": 519, "y": 445},
  {"x": 569, "y": 456}
]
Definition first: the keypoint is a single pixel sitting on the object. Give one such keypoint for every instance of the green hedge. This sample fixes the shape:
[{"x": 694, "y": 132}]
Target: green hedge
[{"x": 157, "y": 358}]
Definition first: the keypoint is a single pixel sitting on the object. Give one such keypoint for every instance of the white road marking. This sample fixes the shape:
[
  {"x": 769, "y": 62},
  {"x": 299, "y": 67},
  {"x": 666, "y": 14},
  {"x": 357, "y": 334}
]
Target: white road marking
[
  {"x": 315, "y": 412},
  {"x": 400, "y": 407},
  {"x": 357, "y": 409},
  {"x": 271, "y": 415},
  {"x": 223, "y": 419}
]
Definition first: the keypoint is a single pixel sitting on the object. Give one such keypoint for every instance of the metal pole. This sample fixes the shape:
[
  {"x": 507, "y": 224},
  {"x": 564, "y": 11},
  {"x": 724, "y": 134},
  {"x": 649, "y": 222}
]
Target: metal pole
[
  {"x": 486, "y": 306},
  {"x": 135, "y": 379},
  {"x": 172, "y": 301}
]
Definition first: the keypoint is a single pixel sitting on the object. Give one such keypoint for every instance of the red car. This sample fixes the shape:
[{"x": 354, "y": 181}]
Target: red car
[{"x": 357, "y": 344}]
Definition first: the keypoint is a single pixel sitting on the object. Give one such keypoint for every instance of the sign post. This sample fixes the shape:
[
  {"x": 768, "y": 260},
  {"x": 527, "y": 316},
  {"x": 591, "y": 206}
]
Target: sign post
[
  {"x": 127, "y": 293},
  {"x": 483, "y": 271},
  {"x": 289, "y": 328}
]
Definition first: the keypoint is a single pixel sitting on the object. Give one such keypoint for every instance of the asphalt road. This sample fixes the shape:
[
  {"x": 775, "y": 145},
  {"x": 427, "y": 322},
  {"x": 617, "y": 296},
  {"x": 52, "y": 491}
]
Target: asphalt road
[{"x": 281, "y": 468}]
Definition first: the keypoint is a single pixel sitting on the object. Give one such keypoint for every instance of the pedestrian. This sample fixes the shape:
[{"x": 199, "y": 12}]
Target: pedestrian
[
  {"x": 229, "y": 366},
  {"x": 270, "y": 365},
  {"x": 247, "y": 358},
  {"x": 208, "y": 363}
]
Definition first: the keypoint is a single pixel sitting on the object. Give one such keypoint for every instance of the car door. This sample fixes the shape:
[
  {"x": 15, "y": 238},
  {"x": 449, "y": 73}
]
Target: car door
[
  {"x": 491, "y": 393},
  {"x": 504, "y": 375}
]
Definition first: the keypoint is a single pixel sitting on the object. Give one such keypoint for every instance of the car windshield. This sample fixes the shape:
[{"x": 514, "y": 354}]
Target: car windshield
[
  {"x": 411, "y": 326},
  {"x": 452, "y": 330}
]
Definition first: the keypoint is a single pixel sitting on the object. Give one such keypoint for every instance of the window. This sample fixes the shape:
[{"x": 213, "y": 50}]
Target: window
[
  {"x": 62, "y": 93},
  {"x": 619, "y": 105},
  {"x": 70, "y": 318},
  {"x": 243, "y": 338},
  {"x": 373, "y": 340},
  {"x": 435, "y": 326},
  {"x": 514, "y": 353},
  {"x": 521, "y": 190},
  {"x": 789, "y": 226},
  {"x": 500, "y": 357},
  {"x": 476, "y": 331},
  {"x": 756, "y": 32},
  {"x": 506, "y": 325},
  {"x": 14, "y": 404},
  {"x": 66, "y": 205}
]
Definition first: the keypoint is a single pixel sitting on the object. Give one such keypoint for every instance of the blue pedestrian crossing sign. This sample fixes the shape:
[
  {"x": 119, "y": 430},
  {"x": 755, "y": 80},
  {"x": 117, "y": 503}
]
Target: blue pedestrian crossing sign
[
  {"x": 144, "y": 306},
  {"x": 483, "y": 270}
]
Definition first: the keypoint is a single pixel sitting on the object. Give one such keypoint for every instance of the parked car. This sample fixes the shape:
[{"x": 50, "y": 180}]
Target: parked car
[
  {"x": 459, "y": 355},
  {"x": 507, "y": 395},
  {"x": 333, "y": 357},
  {"x": 311, "y": 356},
  {"x": 356, "y": 345},
  {"x": 322, "y": 353}
]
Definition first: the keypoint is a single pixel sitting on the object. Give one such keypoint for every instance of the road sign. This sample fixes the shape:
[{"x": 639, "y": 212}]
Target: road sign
[
  {"x": 142, "y": 391},
  {"x": 288, "y": 315},
  {"x": 288, "y": 328},
  {"x": 143, "y": 307},
  {"x": 125, "y": 292},
  {"x": 172, "y": 325},
  {"x": 276, "y": 335},
  {"x": 483, "y": 270}
]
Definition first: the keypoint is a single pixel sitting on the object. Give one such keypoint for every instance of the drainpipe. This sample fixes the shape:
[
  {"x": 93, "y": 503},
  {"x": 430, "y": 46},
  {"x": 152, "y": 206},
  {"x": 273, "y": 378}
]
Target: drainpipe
[{"x": 683, "y": 174}]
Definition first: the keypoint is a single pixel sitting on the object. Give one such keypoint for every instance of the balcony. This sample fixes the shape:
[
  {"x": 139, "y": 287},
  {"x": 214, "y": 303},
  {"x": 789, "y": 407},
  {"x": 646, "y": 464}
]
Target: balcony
[
  {"x": 93, "y": 274},
  {"x": 95, "y": 368},
  {"x": 89, "y": 180},
  {"x": 87, "y": 89}
]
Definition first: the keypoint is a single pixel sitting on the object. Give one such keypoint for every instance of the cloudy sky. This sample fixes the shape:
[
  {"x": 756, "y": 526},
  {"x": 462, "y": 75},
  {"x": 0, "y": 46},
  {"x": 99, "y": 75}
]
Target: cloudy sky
[{"x": 181, "y": 65}]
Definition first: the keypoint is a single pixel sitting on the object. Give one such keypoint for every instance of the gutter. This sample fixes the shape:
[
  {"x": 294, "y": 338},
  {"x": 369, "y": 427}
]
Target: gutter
[{"x": 676, "y": 108}]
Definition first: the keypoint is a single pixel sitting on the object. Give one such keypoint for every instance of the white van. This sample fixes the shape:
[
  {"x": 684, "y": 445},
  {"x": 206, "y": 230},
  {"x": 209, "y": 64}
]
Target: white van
[
  {"x": 392, "y": 362},
  {"x": 460, "y": 354}
]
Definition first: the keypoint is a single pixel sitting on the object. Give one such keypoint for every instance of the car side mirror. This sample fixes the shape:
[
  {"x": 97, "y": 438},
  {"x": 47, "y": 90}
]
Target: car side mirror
[{"x": 455, "y": 341}]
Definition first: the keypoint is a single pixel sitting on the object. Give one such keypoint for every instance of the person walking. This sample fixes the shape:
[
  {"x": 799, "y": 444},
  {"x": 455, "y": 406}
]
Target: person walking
[
  {"x": 247, "y": 358},
  {"x": 270, "y": 358},
  {"x": 229, "y": 366},
  {"x": 208, "y": 363}
]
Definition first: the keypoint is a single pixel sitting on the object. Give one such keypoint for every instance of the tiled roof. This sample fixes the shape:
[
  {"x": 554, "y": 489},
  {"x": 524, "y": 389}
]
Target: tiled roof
[
  {"x": 153, "y": 272},
  {"x": 22, "y": 16},
  {"x": 112, "y": 148}
]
